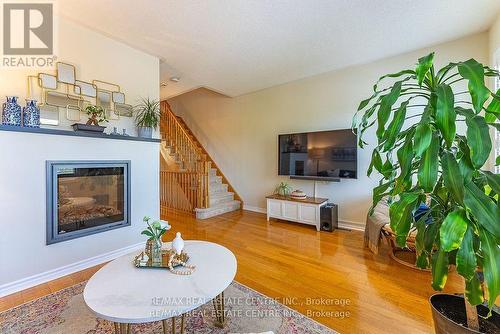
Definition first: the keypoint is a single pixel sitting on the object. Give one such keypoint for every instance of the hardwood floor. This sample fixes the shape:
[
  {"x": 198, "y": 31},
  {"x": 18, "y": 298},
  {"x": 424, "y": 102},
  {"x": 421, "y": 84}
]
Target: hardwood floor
[{"x": 312, "y": 272}]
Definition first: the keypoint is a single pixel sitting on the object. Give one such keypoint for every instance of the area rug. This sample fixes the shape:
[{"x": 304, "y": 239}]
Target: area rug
[{"x": 65, "y": 312}]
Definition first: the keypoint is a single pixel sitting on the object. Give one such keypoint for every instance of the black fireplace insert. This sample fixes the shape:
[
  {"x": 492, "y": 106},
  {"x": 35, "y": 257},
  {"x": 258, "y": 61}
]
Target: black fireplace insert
[{"x": 86, "y": 197}]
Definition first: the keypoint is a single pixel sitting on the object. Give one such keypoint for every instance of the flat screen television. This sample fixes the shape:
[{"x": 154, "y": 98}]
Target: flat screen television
[{"x": 323, "y": 155}]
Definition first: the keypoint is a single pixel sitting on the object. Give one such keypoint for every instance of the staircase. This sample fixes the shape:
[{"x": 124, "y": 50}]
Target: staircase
[{"x": 190, "y": 181}]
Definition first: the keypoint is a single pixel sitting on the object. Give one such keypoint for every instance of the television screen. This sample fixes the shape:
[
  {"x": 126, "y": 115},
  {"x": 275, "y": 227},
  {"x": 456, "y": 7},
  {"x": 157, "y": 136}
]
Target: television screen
[{"x": 319, "y": 155}]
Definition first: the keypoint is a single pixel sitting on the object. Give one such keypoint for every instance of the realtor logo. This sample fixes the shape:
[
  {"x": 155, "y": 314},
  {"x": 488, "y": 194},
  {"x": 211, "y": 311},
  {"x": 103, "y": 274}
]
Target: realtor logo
[{"x": 28, "y": 30}]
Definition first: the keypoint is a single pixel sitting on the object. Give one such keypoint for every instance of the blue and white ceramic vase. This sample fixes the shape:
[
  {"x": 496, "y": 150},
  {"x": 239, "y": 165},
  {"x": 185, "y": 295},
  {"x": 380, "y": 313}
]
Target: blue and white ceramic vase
[
  {"x": 31, "y": 114},
  {"x": 11, "y": 112}
]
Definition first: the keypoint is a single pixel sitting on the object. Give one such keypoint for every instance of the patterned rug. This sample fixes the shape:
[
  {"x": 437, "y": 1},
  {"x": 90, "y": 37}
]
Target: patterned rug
[{"x": 65, "y": 312}]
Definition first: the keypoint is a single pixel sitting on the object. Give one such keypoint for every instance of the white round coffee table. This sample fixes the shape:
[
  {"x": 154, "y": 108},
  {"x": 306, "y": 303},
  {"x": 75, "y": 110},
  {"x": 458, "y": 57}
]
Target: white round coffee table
[{"x": 121, "y": 293}]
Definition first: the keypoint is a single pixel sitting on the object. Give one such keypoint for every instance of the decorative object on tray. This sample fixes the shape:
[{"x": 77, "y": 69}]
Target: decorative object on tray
[
  {"x": 155, "y": 231},
  {"x": 147, "y": 117},
  {"x": 169, "y": 260},
  {"x": 156, "y": 257},
  {"x": 96, "y": 115},
  {"x": 283, "y": 189},
  {"x": 178, "y": 243},
  {"x": 298, "y": 194},
  {"x": 31, "y": 114},
  {"x": 11, "y": 112}
]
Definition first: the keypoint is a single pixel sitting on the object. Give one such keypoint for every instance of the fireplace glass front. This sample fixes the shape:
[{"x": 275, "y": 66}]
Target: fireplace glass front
[{"x": 86, "y": 198}]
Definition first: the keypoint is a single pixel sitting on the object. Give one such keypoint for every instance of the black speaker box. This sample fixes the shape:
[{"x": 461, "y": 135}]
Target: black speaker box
[{"x": 329, "y": 219}]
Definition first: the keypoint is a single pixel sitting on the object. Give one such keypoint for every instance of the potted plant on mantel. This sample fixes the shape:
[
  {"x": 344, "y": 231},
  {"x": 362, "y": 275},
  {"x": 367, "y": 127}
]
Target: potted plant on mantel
[
  {"x": 421, "y": 155},
  {"x": 147, "y": 117},
  {"x": 96, "y": 115}
]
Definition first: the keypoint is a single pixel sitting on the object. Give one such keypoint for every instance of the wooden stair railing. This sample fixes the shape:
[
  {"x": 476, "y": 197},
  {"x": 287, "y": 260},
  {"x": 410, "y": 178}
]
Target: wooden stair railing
[
  {"x": 188, "y": 189},
  {"x": 214, "y": 165}
]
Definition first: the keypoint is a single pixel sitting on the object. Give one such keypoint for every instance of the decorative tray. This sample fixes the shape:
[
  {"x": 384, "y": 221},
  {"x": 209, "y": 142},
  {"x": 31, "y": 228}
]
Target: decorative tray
[{"x": 166, "y": 254}]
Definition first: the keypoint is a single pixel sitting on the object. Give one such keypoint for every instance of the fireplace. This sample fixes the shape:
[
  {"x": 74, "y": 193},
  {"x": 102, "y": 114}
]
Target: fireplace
[{"x": 86, "y": 197}]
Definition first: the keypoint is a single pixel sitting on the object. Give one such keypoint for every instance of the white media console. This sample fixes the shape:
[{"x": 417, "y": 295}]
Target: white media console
[{"x": 305, "y": 211}]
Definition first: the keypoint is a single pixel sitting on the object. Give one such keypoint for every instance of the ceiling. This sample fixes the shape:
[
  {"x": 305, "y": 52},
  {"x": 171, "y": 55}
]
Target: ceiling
[{"x": 239, "y": 46}]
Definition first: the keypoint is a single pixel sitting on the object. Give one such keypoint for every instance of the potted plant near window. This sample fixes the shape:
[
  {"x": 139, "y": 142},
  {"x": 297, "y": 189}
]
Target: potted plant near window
[
  {"x": 420, "y": 154},
  {"x": 147, "y": 117}
]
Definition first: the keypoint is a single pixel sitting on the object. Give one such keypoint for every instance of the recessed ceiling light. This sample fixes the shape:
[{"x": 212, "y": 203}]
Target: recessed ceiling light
[
  {"x": 175, "y": 79},
  {"x": 163, "y": 84}
]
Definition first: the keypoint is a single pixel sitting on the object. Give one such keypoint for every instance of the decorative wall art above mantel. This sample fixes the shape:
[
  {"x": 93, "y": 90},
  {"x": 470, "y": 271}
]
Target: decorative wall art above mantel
[{"x": 64, "y": 91}]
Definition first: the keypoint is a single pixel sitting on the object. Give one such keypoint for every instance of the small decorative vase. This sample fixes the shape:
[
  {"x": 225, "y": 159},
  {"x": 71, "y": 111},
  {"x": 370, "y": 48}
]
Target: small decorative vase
[
  {"x": 31, "y": 114},
  {"x": 156, "y": 257},
  {"x": 11, "y": 114},
  {"x": 178, "y": 243}
]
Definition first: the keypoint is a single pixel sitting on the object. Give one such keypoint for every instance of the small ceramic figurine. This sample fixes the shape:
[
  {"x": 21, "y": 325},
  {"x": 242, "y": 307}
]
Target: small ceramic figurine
[{"x": 178, "y": 243}]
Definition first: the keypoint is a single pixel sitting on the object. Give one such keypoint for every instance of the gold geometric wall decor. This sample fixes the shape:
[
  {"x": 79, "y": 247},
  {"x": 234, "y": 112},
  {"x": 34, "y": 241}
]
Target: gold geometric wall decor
[{"x": 64, "y": 90}]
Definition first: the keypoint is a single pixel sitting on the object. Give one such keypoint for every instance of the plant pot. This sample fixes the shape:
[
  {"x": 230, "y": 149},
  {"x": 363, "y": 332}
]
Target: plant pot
[
  {"x": 145, "y": 132},
  {"x": 88, "y": 128},
  {"x": 448, "y": 313}
]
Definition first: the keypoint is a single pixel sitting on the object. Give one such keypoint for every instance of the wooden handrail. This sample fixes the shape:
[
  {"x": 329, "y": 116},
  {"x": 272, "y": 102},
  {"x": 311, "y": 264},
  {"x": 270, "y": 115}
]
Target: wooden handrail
[
  {"x": 194, "y": 159},
  {"x": 178, "y": 138}
]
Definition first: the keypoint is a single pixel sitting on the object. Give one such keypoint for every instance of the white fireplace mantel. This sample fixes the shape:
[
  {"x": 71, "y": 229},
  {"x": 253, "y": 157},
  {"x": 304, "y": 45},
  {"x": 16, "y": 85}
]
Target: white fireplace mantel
[{"x": 25, "y": 259}]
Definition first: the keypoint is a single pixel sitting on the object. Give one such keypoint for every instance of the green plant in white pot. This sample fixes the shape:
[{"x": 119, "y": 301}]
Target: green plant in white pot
[
  {"x": 283, "y": 189},
  {"x": 147, "y": 117},
  {"x": 420, "y": 155}
]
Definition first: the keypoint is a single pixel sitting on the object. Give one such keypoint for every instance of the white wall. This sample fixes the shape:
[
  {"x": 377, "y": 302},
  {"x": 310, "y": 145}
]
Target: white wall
[
  {"x": 23, "y": 253},
  {"x": 241, "y": 133},
  {"x": 95, "y": 57},
  {"x": 494, "y": 35}
]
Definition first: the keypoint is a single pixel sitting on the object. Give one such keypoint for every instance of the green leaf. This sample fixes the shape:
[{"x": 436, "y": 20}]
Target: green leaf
[
  {"x": 423, "y": 137},
  {"x": 384, "y": 110},
  {"x": 375, "y": 162},
  {"x": 411, "y": 74},
  {"x": 378, "y": 193},
  {"x": 478, "y": 140},
  {"x": 439, "y": 270},
  {"x": 423, "y": 66},
  {"x": 422, "y": 261},
  {"x": 490, "y": 118},
  {"x": 452, "y": 230},
  {"x": 428, "y": 169},
  {"x": 466, "y": 256},
  {"x": 494, "y": 106},
  {"x": 474, "y": 291},
  {"x": 467, "y": 113},
  {"x": 443, "y": 71},
  {"x": 486, "y": 212},
  {"x": 493, "y": 180},
  {"x": 474, "y": 72},
  {"x": 400, "y": 216},
  {"x": 491, "y": 265},
  {"x": 395, "y": 126},
  {"x": 445, "y": 113},
  {"x": 147, "y": 233},
  {"x": 452, "y": 177},
  {"x": 430, "y": 236},
  {"x": 387, "y": 169},
  {"x": 405, "y": 155}
]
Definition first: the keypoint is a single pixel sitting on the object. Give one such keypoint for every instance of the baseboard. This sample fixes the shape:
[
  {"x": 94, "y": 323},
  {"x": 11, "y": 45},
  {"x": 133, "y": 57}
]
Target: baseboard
[
  {"x": 28, "y": 282},
  {"x": 352, "y": 225},
  {"x": 342, "y": 223},
  {"x": 254, "y": 208}
]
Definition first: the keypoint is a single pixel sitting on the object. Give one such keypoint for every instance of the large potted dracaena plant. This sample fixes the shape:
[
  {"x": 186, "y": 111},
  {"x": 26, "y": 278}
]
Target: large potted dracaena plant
[{"x": 422, "y": 157}]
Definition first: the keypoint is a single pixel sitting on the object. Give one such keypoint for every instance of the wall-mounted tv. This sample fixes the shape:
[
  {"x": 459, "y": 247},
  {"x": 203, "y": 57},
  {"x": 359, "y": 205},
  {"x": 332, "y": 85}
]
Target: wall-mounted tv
[{"x": 322, "y": 155}]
